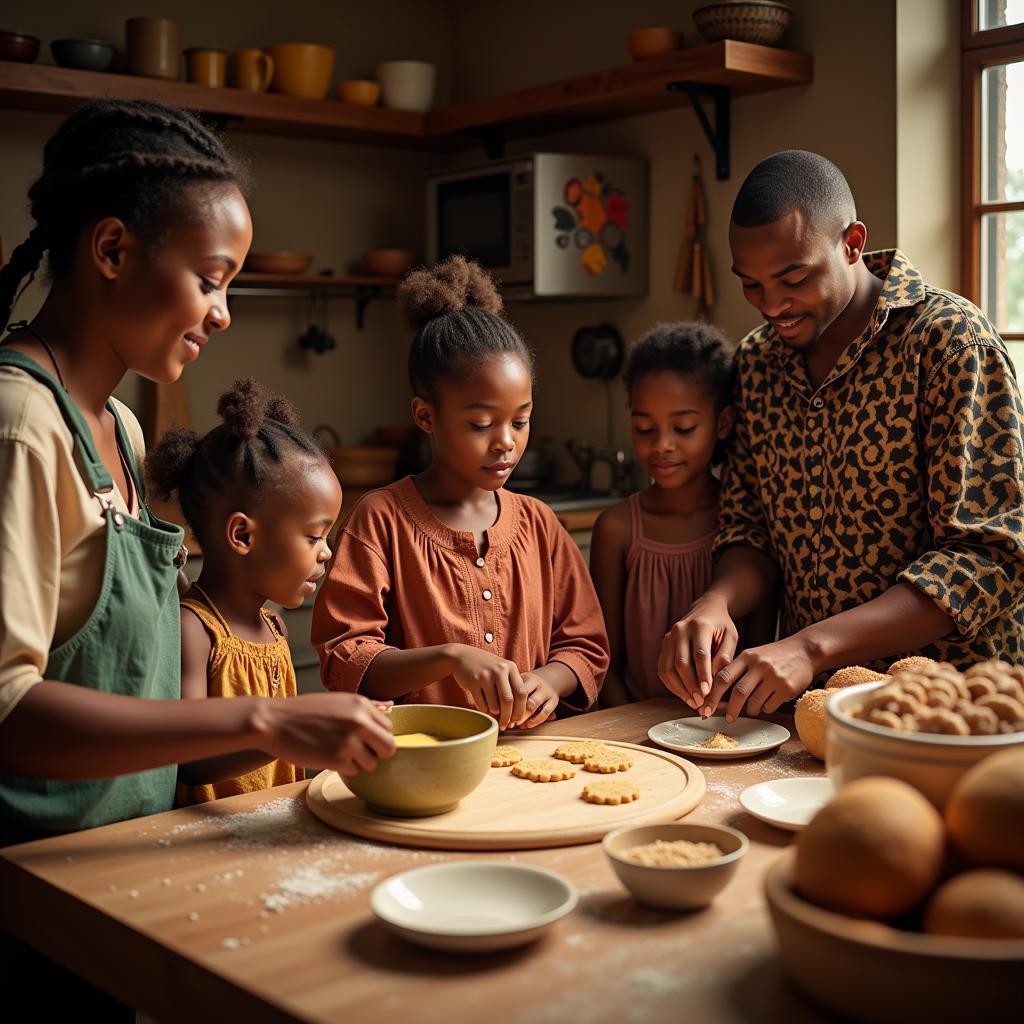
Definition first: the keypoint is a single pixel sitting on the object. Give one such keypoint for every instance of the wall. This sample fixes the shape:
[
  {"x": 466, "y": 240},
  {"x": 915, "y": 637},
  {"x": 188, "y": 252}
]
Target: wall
[{"x": 333, "y": 200}]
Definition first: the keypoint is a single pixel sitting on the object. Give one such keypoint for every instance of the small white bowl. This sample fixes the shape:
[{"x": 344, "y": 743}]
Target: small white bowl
[
  {"x": 787, "y": 803},
  {"x": 930, "y": 762},
  {"x": 675, "y": 888},
  {"x": 473, "y": 906}
]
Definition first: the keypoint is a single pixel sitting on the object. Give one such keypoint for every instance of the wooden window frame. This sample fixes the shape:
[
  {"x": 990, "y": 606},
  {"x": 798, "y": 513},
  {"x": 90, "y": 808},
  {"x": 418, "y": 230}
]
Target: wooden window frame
[{"x": 980, "y": 50}]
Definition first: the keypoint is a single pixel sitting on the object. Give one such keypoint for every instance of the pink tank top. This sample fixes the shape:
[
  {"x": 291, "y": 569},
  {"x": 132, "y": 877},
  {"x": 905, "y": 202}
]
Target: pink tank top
[{"x": 662, "y": 581}]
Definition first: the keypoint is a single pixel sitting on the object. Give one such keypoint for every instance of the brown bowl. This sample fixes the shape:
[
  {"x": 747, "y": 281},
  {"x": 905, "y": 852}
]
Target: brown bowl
[
  {"x": 650, "y": 42},
  {"x": 872, "y": 972},
  {"x": 388, "y": 262},
  {"x": 360, "y": 92},
  {"x": 278, "y": 262},
  {"x": 761, "y": 22},
  {"x": 19, "y": 47}
]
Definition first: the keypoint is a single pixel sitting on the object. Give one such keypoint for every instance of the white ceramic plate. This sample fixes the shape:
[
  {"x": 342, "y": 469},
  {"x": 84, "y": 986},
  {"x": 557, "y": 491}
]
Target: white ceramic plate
[
  {"x": 473, "y": 906},
  {"x": 687, "y": 734},
  {"x": 787, "y": 803}
]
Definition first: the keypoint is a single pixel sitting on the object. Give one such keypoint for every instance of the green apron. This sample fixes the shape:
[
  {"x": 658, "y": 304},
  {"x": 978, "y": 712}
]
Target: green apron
[{"x": 130, "y": 644}]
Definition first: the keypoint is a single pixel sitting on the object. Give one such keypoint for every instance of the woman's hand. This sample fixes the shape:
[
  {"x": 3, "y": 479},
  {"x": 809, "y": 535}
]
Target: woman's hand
[
  {"x": 342, "y": 731},
  {"x": 494, "y": 683},
  {"x": 763, "y": 678}
]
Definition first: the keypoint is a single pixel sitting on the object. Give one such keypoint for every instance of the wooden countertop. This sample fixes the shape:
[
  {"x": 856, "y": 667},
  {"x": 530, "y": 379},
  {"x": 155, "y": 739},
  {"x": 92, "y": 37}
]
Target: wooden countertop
[{"x": 218, "y": 913}]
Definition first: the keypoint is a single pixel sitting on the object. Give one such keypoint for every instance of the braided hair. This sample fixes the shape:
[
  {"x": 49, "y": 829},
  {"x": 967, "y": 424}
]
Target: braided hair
[
  {"x": 134, "y": 160},
  {"x": 242, "y": 457},
  {"x": 456, "y": 311}
]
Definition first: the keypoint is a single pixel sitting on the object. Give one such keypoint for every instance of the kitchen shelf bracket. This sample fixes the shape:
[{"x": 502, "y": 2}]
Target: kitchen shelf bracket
[
  {"x": 365, "y": 294},
  {"x": 491, "y": 137},
  {"x": 718, "y": 135}
]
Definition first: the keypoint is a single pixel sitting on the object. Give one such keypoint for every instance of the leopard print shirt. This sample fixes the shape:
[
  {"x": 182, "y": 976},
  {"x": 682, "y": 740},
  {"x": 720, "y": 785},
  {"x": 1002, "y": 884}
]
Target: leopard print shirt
[{"x": 905, "y": 465}]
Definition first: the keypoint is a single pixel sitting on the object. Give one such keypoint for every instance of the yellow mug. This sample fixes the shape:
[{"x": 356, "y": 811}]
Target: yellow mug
[
  {"x": 252, "y": 69},
  {"x": 206, "y": 67}
]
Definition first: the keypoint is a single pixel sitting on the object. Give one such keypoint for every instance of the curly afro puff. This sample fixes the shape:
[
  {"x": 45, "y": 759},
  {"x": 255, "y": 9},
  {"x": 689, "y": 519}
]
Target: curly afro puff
[
  {"x": 237, "y": 459},
  {"x": 691, "y": 348},
  {"x": 456, "y": 311}
]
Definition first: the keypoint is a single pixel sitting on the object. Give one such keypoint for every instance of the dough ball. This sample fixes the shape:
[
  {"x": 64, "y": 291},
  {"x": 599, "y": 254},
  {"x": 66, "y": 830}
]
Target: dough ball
[
  {"x": 875, "y": 851},
  {"x": 979, "y": 905},
  {"x": 852, "y": 676},
  {"x": 810, "y": 722},
  {"x": 915, "y": 663},
  {"x": 985, "y": 812}
]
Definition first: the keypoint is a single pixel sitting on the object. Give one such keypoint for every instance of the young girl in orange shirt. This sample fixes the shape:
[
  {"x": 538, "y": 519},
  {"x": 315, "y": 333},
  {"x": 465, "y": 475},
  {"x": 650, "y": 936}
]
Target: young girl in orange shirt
[{"x": 445, "y": 587}]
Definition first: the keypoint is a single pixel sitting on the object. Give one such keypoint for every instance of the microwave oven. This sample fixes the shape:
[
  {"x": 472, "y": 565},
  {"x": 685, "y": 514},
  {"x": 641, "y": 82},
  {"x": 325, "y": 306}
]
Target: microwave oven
[{"x": 546, "y": 224}]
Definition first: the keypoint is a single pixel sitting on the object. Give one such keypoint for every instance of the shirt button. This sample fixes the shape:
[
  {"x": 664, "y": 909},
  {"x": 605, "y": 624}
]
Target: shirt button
[
  {"x": 488, "y": 638},
  {"x": 480, "y": 563},
  {"x": 487, "y": 595},
  {"x": 818, "y": 402}
]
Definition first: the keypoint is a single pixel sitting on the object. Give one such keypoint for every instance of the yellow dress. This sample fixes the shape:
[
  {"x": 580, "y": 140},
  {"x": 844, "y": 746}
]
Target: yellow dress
[{"x": 242, "y": 668}]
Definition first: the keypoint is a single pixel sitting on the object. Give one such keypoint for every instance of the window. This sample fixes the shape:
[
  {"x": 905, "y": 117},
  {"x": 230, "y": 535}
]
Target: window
[{"x": 993, "y": 168}]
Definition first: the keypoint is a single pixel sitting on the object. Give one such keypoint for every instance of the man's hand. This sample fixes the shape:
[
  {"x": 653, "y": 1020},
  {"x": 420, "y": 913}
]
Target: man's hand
[{"x": 762, "y": 678}]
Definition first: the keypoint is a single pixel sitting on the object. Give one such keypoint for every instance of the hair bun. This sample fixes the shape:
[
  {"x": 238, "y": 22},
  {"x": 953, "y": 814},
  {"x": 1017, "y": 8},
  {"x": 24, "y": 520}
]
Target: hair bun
[
  {"x": 449, "y": 287},
  {"x": 244, "y": 408},
  {"x": 281, "y": 410},
  {"x": 170, "y": 459}
]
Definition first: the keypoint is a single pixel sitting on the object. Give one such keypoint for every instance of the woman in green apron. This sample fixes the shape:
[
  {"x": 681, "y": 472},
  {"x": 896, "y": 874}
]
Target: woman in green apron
[{"x": 139, "y": 213}]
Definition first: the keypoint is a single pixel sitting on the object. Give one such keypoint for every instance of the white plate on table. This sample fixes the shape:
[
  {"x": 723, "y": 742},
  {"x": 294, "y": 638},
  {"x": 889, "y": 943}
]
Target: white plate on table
[
  {"x": 473, "y": 906},
  {"x": 787, "y": 803},
  {"x": 686, "y": 735}
]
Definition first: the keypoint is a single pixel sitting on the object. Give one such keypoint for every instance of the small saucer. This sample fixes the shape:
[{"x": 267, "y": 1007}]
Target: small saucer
[
  {"x": 787, "y": 803},
  {"x": 686, "y": 735}
]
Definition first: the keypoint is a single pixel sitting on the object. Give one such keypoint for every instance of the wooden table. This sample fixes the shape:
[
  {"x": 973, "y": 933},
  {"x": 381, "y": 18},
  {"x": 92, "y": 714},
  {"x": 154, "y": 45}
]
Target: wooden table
[{"x": 213, "y": 914}]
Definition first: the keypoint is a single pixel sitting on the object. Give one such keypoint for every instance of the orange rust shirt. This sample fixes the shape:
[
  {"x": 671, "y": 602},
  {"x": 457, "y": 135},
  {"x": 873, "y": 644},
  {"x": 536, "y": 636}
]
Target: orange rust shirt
[
  {"x": 402, "y": 579},
  {"x": 905, "y": 465}
]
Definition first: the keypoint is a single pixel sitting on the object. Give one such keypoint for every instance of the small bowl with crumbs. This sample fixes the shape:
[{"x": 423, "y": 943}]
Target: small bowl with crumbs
[{"x": 675, "y": 866}]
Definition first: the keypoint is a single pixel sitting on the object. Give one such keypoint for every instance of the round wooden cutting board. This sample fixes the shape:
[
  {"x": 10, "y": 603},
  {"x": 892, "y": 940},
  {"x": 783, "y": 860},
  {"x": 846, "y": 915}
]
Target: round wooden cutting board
[{"x": 508, "y": 813}]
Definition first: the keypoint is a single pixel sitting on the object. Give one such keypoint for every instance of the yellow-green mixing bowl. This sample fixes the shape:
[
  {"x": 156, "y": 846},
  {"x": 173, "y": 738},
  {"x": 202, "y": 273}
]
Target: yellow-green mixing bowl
[{"x": 420, "y": 781}]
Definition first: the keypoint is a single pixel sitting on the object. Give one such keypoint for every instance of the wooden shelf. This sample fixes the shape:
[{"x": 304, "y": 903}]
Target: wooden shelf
[
  {"x": 627, "y": 90},
  {"x": 40, "y": 87}
]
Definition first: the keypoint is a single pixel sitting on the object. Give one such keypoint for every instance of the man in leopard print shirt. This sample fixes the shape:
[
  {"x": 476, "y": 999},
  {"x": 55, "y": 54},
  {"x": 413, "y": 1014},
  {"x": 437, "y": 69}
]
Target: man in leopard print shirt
[{"x": 876, "y": 468}]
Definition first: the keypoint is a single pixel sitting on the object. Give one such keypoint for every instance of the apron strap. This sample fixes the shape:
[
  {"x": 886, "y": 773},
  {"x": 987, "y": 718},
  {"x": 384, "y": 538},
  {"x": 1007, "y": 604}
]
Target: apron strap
[{"x": 96, "y": 474}]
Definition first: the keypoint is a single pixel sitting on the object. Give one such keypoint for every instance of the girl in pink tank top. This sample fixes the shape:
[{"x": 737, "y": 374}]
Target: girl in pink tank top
[{"x": 651, "y": 554}]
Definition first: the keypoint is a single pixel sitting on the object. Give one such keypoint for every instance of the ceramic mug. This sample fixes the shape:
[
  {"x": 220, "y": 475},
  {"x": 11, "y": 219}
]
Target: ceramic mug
[
  {"x": 206, "y": 67},
  {"x": 407, "y": 84},
  {"x": 252, "y": 69},
  {"x": 153, "y": 47},
  {"x": 302, "y": 70}
]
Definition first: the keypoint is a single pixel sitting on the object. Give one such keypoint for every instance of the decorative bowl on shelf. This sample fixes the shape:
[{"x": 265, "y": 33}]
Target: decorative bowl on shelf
[
  {"x": 762, "y": 22},
  {"x": 650, "y": 42},
  {"x": 18, "y": 46},
  {"x": 388, "y": 262},
  {"x": 278, "y": 262},
  {"x": 302, "y": 70},
  {"x": 360, "y": 92},
  {"x": 83, "y": 54}
]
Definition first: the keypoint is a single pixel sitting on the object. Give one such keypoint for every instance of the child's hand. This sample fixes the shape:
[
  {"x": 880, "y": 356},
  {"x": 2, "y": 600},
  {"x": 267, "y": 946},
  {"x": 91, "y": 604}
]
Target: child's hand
[
  {"x": 697, "y": 647},
  {"x": 494, "y": 683},
  {"x": 342, "y": 731},
  {"x": 541, "y": 702}
]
